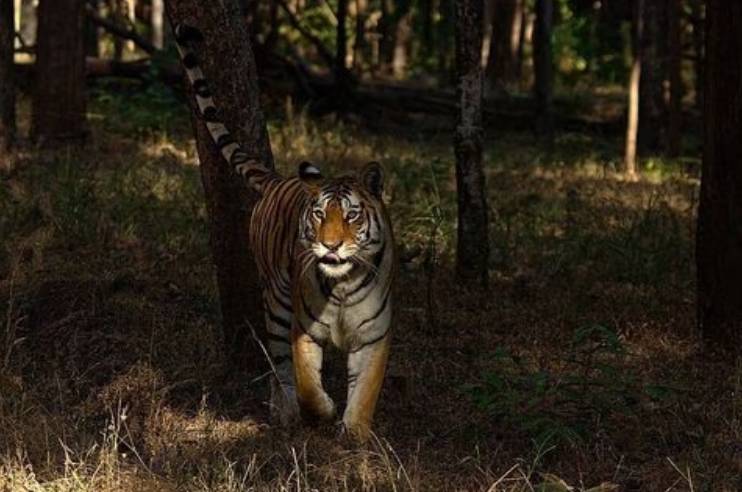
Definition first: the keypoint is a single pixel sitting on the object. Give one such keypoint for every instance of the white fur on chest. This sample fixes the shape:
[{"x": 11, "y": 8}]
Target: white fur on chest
[{"x": 349, "y": 320}]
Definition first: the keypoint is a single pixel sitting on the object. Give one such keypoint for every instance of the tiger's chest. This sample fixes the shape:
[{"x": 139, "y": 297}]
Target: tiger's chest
[{"x": 347, "y": 315}]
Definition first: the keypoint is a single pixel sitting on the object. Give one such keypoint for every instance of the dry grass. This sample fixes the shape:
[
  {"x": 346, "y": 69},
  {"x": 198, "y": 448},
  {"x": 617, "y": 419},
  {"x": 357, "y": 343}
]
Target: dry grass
[{"x": 112, "y": 379}]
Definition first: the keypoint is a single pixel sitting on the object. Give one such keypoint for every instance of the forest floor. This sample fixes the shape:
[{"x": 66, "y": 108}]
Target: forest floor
[{"x": 579, "y": 368}]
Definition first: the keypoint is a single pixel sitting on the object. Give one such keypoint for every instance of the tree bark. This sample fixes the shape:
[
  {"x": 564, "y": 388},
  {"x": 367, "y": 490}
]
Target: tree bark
[
  {"x": 719, "y": 240},
  {"x": 228, "y": 64},
  {"x": 59, "y": 103},
  {"x": 472, "y": 252},
  {"x": 7, "y": 79},
  {"x": 544, "y": 71},
  {"x": 675, "y": 53},
  {"x": 632, "y": 121}
]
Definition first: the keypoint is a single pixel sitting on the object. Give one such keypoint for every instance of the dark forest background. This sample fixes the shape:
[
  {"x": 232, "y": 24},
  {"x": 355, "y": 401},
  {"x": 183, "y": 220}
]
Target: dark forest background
[{"x": 563, "y": 180}]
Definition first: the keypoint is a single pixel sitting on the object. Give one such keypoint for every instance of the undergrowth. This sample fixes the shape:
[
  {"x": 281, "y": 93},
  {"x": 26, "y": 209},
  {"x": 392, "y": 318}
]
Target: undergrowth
[{"x": 578, "y": 370}]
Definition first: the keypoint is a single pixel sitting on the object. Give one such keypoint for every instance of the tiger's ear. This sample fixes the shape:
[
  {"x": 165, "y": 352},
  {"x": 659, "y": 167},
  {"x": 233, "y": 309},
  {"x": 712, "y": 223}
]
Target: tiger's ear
[
  {"x": 309, "y": 174},
  {"x": 372, "y": 178}
]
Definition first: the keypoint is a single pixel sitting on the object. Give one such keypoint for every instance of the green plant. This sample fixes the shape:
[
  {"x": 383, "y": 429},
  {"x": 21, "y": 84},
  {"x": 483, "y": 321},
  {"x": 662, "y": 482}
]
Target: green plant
[{"x": 570, "y": 399}]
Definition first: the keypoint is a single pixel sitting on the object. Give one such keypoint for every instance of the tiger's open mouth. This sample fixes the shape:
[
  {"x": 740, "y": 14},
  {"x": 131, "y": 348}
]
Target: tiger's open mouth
[
  {"x": 334, "y": 266},
  {"x": 332, "y": 259}
]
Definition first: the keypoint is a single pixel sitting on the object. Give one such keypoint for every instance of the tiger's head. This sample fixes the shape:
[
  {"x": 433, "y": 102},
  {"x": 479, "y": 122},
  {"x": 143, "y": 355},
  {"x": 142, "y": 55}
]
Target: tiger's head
[{"x": 344, "y": 223}]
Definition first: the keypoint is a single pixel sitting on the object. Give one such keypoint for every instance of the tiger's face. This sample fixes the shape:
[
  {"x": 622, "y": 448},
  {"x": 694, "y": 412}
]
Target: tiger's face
[{"x": 343, "y": 224}]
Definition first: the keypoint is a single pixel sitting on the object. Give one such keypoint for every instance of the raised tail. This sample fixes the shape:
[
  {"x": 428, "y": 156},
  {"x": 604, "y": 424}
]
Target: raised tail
[{"x": 256, "y": 174}]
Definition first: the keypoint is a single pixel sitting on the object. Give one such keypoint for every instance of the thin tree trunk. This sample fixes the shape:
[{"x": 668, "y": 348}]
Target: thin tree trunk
[
  {"x": 360, "y": 43},
  {"x": 472, "y": 251},
  {"x": 158, "y": 24},
  {"x": 7, "y": 79},
  {"x": 632, "y": 121},
  {"x": 59, "y": 103},
  {"x": 503, "y": 53},
  {"x": 444, "y": 33},
  {"x": 426, "y": 18},
  {"x": 698, "y": 16},
  {"x": 675, "y": 106},
  {"x": 341, "y": 36},
  {"x": 652, "y": 127},
  {"x": 402, "y": 35},
  {"x": 131, "y": 17},
  {"x": 28, "y": 22},
  {"x": 91, "y": 34},
  {"x": 719, "y": 246},
  {"x": 544, "y": 71},
  {"x": 523, "y": 27},
  {"x": 229, "y": 66}
]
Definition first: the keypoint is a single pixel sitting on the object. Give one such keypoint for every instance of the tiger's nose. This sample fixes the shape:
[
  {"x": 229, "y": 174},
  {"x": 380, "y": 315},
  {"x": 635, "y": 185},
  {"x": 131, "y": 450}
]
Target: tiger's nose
[{"x": 332, "y": 246}]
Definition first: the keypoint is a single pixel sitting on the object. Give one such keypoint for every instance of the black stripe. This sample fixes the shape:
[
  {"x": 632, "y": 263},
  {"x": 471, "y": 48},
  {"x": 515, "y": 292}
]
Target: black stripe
[
  {"x": 272, "y": 337},
  {"x": 252, "y": 173},
  {"x": 375, "y": 340},
  {"x": 303, "y": 329},
  {"x": 378, "y": 313},
  {"x": 201, "y": 87},
  {"x": 311, "y": 314},
  {"x": 239, "y": 157},
  {"x": 185, "y": 33},
  {"x": 190, "y": 60},
  {"x": 224, "y": 140},
  {"x": 366, "y": 280},
  {"x": 209, "y": 115},
  {"x": 281, "y": 358},
  {"x": 279, "y": 320}
]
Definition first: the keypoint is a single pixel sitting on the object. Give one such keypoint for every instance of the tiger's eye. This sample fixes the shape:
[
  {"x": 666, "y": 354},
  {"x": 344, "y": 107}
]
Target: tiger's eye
[
  {"x": 351, "y": 216},
  {"x": 318, "y": 214}
]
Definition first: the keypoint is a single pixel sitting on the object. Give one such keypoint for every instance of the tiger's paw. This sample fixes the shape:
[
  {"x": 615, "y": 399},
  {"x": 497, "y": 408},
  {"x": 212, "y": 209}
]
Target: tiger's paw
[
  {"x": 355, "y": 430},
  {"x": 323, "y": 410}
]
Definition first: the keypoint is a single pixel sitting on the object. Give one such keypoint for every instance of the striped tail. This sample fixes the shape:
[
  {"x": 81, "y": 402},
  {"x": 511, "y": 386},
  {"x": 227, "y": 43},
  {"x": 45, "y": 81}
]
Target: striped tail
[{"x": 252, "y": 170}]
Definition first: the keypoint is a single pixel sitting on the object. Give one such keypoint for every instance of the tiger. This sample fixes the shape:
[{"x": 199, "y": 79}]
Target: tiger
[{"x": 325, "y": 253}]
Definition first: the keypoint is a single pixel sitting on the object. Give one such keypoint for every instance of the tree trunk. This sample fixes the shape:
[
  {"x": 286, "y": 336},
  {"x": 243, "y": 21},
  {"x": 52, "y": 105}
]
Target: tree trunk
[
  {"x": 544, "y": 71},
  {"x": 698, "y": 16},
  {"x": 472, "y": 251},
  {"x": 91, "y": 34},
  {"x": 632, "y": 121},
  {"x": 158, "y": 24},
  {"x": 7, "y": 79},
  {"x": 444, "y": 32},
  {"x": 719, "y": 246},
  {"x": 28, "y": 22},
  {"x": 131, "y": 20},
  {"x": 360, "y": 44},
  {"x": 502, "y": 59},
  {"x": 652, "y": 119},
  {"x": 402, "y": 34},
  {"x": 341, "y": 36},
  {"x": 59, "y": 104},
  {"x": 675, "y": 53},
  {"x": 229, "y": 66}
]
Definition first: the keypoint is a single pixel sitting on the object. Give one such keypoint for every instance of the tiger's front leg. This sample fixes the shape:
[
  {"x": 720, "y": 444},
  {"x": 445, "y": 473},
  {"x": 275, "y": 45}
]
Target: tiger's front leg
[
  {"x": 313, "y": 400},
  {"x": 366, "y": 367}
]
